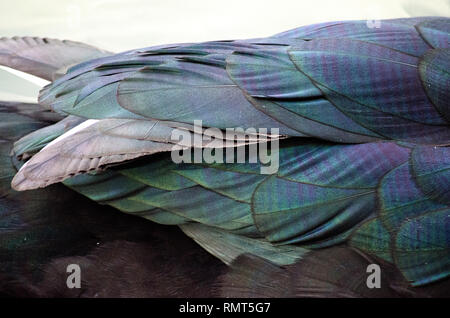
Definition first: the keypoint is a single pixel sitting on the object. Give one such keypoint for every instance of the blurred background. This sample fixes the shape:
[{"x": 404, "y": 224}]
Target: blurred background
[{"x": 119, "y": 25}]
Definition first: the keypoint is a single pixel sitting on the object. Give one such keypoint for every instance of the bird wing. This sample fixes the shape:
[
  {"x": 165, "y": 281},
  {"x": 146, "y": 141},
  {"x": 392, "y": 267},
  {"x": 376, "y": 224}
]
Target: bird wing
[{"x": 365, "y": 110}]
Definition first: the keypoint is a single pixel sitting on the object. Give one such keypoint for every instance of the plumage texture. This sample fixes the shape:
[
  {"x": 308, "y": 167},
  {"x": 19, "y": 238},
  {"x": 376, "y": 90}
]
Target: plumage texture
[
  {"x": 334, "y": 272},
  {"x": 42, "y": 231},
  {"x": 365, "y": 162},
  {"x": 45, "y": 230},
  {"x": 342, "y": 82},
  {"x": 44, "y": 57},
  {"x": 102, "y": 143},
  {"x": 316, "y": 199}
]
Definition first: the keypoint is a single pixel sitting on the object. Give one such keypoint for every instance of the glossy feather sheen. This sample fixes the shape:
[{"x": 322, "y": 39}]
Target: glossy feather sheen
[
  {"x": 342, "y": 81},
  {"x": 365, "y": 164},
  {"x": 316, "y": 199}
]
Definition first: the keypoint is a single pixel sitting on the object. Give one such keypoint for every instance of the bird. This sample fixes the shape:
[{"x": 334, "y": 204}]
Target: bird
[{"x": 354, "y": 116}]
